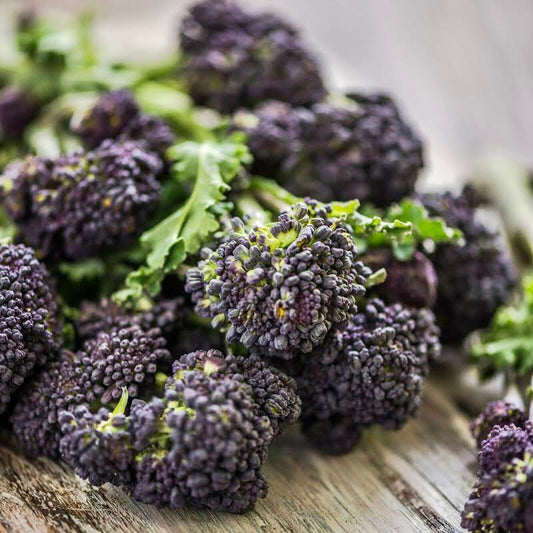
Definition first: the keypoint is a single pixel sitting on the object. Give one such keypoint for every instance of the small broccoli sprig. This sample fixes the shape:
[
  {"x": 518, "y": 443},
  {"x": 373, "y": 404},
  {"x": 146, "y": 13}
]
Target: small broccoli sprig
[
  {"x": 497, "y": 413},
  {"x": 236, "y": 59},
  {"x": 475, "y": 279},
  {"x": 370, "y": 372},
  {"x": 117, "y": 116},
  {"x": 358, "y": 147},
  {"x": 501, "y": 499},
  {"x": 279, "y": 288},
  {"x": 30, "y": 326},
  {"x": 507, "y": 345},
  {"x": 80, "y": 205},
  {"x": 121, "y": 357},
  {"x": 17, "y": 110},
  {"x": 202, "y": 442}
]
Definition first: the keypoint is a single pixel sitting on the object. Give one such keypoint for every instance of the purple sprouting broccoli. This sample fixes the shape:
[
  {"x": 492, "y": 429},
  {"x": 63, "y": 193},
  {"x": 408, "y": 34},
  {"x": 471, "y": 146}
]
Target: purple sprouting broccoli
[
  {"x": 117, "y": 116},
  {"x": 370, "y": 372},
  {"x": 122, "y": 357},
  {"x": 235, "y": 59},
  {"x": 502, "y": 496},
  {"x": 335, "y": 435},
  {"x": 183, "y": 331},
  {"x": 273, "y": 390},
  {"x": 280, "y": 288},
  {"x": 413, "y": 282},
  {"x": 202, "y": 442},
  {"x": 79, "y": 205},
  {"x": 17, "y": 110},
  {"x": 362, "y": 148},
  {"x": 497, "y": 413},
  {"x": 30, "y": 327},
  {"x": 474, "y": 280},
  {"x": 98, "y": 444}
]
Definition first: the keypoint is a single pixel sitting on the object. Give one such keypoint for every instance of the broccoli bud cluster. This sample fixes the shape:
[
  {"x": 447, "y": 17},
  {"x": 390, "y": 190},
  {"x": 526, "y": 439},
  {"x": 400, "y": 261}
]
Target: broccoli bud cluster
[
  {"x": 370, "y": 372},
  {"x": 30, "y": 330},
  {"x": 17, "y": 109},
  {"x": 235, "y": 59},
  {"x": 280, "y": 288},
  {"x": 202, "y": 442},
  {"x": 474, "y": 280},
  {"x": 502, "y": 497},
  {"x": 117, "y": 116},
  {"x": 120, "y": 358},
  {"x": 363, "y": 149},
  {"x": 170, "y": 315},
  {"x": 79, "y": 205}
]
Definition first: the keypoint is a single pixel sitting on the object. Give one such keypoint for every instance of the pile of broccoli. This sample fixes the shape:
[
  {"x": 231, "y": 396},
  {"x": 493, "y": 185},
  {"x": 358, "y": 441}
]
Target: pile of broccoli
[{"x": 181, "y": 284}]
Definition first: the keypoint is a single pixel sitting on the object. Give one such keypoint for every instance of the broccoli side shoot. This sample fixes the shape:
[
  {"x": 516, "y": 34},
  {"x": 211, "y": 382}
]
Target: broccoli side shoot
[
  {"x": 30, "y": 329},
  {"x": 202, "y": 442},
  {"x": 119, "y": 358},
  {"x": 474, "y": 280},
  {"x": 280, "y": 288},
  {"x": 359, "y": 148},
  {"x": 80, "y": 205},
  {"x": 370, "y": 372},
  {"x": 236, "y": 59},
  {"x": 502, "y": 496},
  {"x": 117, "y": 116}
]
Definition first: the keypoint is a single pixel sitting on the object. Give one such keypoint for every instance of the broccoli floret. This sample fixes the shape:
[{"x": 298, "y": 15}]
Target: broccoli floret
[
  {"x": 181, "y": 328},
  {"x": 77, "y": 206},
  {"x": 117, "y": 116},
  {"x": 30, "y": 328},
  {"x": 363, "y": 149},
  {"x": 202, "y": 442},
  {"x": 412, "y": 283},
  {"x": 335, "y": 435},
  {"x": 497, "y": 413},
  {"x": 371, "y": 371},
  {"x": 165, "y": 314},
  {"x": 474, "y": 280},
  {"x": 502, "y": 496},
  {"x": 17, "y": 110},
  {"x": 98, "y": 444},
  {"x": 273, "y": 391},
  {"x": 279, "y": 288},
  {"x": 95, "y": 376},
  {"x": 503, "y": 444},
  {"x": 235, "y": 59}
]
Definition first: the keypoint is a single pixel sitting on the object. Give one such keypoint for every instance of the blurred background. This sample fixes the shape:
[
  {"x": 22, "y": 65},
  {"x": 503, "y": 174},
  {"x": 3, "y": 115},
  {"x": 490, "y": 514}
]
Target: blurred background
[{"x": 461, "y": 71}]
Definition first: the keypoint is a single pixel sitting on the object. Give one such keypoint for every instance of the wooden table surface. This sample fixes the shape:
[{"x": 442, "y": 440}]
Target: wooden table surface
[{"x": 414, "y": 480}]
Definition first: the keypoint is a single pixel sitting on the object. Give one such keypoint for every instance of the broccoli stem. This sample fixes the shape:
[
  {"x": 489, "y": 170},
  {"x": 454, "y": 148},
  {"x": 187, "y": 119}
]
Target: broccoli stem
[
  {"x": 247, "y": 206},
  {"x": 271, "y": 195},
  {"x": 508, "y": 185}
]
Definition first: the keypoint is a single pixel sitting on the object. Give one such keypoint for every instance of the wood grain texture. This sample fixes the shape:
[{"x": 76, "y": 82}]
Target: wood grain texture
[{"x": 415, "y": 480}]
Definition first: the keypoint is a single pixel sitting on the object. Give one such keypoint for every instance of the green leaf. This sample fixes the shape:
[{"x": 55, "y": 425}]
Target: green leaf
[
  {"x": 508, "y": 343},
  {"x": 363, "y": 226},
  {"x": 424, "y": 229},
  {"x": 210, "y": 167}
]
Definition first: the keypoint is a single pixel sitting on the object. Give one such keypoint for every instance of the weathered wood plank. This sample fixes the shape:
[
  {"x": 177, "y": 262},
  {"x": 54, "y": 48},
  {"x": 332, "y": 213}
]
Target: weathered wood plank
[{"x": 416, "y": 479}]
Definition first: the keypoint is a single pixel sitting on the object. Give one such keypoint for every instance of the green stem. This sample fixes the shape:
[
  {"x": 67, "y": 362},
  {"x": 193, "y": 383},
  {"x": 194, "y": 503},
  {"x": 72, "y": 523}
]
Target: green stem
[
  {"x": 249, "y": 208},
  {"x": 271, "y": 195},
  {"x": 508, "y": 184}
]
